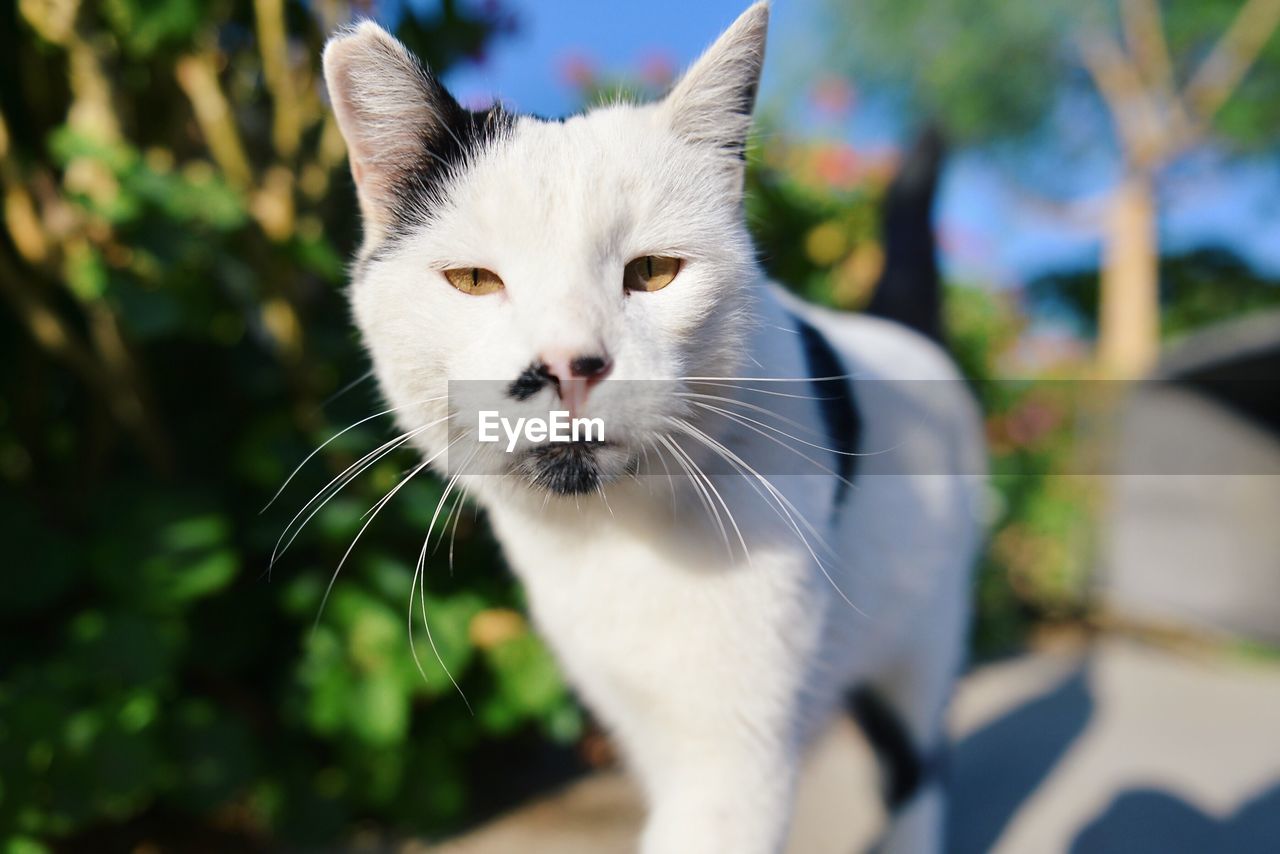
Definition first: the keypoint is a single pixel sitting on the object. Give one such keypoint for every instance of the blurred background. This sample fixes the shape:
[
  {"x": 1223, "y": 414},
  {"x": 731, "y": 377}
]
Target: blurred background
[{"x": 174, "y": 339}]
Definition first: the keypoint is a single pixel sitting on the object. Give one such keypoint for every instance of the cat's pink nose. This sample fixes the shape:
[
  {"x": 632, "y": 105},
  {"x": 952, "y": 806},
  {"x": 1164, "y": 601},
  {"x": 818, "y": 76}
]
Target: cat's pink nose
[{"x": 575, "y": 375}]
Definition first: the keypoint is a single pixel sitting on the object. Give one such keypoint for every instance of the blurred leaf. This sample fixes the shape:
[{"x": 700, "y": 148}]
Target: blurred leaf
[
  {"x": 529, "y": 683},
  {"x": 213, "y": 755},
  {"x": 44, "y": 563},
  {"x": 449, "y": 619},
  {"x": 379, "y": 707},
  {"x": 144, "y": 25},
  {"x": 327, "y": 681},
  {"x": 143, "y": 674},
  {"x": 24, "y": 845}
]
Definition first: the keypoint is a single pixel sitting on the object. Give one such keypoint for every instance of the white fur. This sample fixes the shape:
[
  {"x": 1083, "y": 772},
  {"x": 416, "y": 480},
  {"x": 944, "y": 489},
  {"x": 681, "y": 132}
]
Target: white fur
[{"x": 714, "y": 670}]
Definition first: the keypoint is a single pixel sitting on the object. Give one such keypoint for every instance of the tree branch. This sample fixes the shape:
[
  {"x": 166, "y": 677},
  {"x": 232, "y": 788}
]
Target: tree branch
[
  {"x": 198, "y": 78},
  {"x": 1226, "y": 65},
  {"x": 1144, "y": 35},
  {"x": 273, "y": 46},
  {"x": 1144, "y": 136},
  {"x": 46, "y": 327},
  {"x": 20, "y": 215},
  {"x": 107, "y": 374}
]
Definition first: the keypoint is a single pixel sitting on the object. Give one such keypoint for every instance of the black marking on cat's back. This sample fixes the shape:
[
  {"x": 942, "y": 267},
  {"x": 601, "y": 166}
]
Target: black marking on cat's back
[
  {"x": 836, "y": 403},
  {"x": 906, "y": 769}
]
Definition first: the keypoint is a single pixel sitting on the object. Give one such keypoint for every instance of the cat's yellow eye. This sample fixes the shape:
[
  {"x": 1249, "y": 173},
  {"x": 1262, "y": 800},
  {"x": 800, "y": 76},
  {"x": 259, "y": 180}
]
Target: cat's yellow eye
[
  {"x": 650, "y": 273},
  {"x": 475, "y": 281}
]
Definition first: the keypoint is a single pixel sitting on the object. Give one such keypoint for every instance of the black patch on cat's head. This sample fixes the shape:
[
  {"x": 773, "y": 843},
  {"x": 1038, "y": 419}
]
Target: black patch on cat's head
[
  {"x": 445, "y": 150},
  {"x": 406, "y": 136}
]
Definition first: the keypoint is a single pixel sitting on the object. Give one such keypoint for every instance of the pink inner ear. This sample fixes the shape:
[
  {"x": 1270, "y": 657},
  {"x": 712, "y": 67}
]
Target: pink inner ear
[{"x": 356, "y": 171}]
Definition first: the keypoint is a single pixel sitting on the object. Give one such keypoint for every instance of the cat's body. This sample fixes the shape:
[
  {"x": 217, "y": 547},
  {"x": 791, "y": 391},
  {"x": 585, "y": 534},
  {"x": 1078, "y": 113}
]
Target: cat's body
[
  {"x": 715, "y": 674},
  {"x": 713, "y": 624}
]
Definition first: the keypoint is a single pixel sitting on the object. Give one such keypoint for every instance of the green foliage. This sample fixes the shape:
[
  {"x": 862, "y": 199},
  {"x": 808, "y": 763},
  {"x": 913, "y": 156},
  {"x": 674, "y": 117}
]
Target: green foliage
[
  {"x": 149, "y": 668},
  {"x": 982, "y": 68},
  {"x": 146, "y": 27},
  {"x": 1251, "y": 118},
  {"x": 1197, "y": 289},
  {"x": 814, "y": 213},
  {"x": 994, "y": 69}
]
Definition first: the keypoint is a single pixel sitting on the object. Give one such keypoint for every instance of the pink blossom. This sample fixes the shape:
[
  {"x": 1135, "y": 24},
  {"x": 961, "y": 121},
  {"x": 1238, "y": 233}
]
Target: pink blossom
[
  {"x": 577, "y": 70},
  {"x": 833, "y": 96},
  {"x": 657, "y": 70}
]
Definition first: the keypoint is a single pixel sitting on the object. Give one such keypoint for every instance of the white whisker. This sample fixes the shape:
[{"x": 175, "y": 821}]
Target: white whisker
[
  {"x": 742, "y": 419},
  {"x": 769, "y": 379},
  {"x": 377, "y": 508},
  {"x": 697, "y": 477},
  {"x": 784, "y": 503},
  {"x": 727, "y": 511},
  {"x": 420, "y": 574},
  {"x": 764, "y": 391},
  {"x": 764, "y": 410},
  {"x": 453, "y": 533},
  {"x": 349, "y": 474},
  {"x": 365, "y": 377},
  {"x": 326, "y": 443}
]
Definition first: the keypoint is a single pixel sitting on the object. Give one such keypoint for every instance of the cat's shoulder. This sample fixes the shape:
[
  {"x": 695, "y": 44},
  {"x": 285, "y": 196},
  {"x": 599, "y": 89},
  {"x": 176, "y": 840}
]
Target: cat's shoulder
[{"x": 871, "y": 346}]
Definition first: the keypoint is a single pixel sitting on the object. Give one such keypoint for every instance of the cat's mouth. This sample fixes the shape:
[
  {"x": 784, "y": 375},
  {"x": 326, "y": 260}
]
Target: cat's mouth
[{"x": 571, "y": 468}]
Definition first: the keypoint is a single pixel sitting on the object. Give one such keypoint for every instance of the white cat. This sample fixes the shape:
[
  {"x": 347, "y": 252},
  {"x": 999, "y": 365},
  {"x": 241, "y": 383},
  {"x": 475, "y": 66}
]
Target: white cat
[{"x": 601, "y": 265}]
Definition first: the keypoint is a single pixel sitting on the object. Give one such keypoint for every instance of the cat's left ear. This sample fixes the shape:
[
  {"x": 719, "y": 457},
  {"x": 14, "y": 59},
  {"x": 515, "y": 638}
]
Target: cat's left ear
[{"x": 713, "y": 101}]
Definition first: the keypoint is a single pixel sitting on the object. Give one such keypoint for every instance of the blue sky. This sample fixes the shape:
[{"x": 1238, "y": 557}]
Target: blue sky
[{"x": 1001, "y": 239}]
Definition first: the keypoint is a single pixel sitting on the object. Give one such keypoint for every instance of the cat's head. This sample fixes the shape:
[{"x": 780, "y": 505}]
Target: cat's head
[{"x": 521, "y": 265}]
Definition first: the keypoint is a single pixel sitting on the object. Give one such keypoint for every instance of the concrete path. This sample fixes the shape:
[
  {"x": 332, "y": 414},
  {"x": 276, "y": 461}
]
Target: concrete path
[{"x": 1118, "y": 747}]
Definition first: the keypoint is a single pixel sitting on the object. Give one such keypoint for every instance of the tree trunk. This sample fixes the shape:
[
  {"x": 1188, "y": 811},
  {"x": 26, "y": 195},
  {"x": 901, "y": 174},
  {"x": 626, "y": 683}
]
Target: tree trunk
[{"x": 1129, "y": 303}]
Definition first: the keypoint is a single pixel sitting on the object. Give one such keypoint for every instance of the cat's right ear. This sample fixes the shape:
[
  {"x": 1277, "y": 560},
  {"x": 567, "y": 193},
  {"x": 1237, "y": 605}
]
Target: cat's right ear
[{"x": 389, "y": 109}]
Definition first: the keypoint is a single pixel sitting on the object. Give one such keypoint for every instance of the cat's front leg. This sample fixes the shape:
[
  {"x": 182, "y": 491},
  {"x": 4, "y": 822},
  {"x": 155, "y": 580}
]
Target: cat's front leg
[
  {"x": 702, "y": 671},
  {"x": 717, "y": 742},
  {"x": 720, "y": 798}
]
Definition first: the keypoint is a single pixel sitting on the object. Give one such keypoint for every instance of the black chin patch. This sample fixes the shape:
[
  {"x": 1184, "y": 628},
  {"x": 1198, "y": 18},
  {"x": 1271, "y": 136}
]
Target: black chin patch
[{"x": 565, "y": 468}]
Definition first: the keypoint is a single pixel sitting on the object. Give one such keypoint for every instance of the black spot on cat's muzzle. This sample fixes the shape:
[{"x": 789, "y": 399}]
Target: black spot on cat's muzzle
[
  {"x": 532, "y": 380},
  {"x": 539, "y": 375}
]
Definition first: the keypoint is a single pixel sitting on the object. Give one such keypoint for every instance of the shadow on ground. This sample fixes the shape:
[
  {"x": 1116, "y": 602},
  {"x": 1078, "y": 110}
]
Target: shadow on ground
[
  {"x": 991, "y": 779},
  {"x": 1152, "y": 820},
  {"x": 999, "y": 766},
  {"x": 1130, "y": 749}
]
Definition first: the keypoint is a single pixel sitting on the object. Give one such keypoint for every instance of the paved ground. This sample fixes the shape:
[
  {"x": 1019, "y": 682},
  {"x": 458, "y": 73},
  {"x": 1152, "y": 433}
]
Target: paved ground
[{"x": 1118, "y": 747}]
